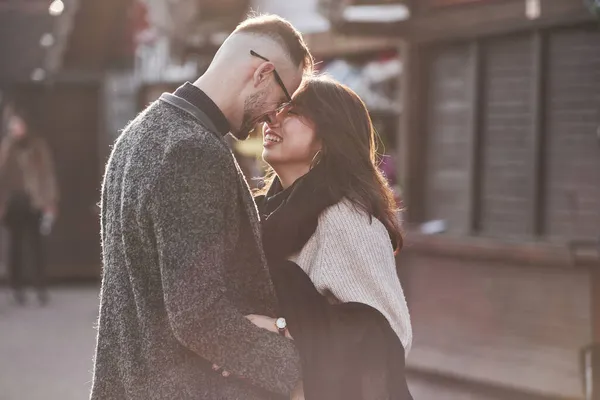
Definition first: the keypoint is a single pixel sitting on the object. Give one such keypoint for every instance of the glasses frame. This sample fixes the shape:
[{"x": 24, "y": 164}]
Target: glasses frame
[{"x": 276, "y": 74}]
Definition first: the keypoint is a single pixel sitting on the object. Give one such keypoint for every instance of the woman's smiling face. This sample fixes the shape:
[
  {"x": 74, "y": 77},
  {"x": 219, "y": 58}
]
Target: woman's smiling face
[{"x": 289, "y": 139}]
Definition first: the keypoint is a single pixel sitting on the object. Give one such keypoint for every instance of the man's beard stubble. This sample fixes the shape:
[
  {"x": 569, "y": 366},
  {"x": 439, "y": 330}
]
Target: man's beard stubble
[
  {"x": 248, "y": 126},
  {"x": 253, "y": 114}
]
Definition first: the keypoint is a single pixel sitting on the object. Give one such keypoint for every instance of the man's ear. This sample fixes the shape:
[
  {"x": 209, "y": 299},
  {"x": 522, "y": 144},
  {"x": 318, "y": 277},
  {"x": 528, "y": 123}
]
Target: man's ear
[{"x": 262, "y": 73}]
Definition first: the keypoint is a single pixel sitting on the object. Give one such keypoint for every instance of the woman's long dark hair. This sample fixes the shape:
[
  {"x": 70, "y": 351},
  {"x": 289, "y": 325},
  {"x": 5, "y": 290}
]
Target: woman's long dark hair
[{"x": 349, "y": 152}]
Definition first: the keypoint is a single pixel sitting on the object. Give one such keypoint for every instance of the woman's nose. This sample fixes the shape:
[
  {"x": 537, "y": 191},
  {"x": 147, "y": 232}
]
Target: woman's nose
[{"x": 271, "y": 119}]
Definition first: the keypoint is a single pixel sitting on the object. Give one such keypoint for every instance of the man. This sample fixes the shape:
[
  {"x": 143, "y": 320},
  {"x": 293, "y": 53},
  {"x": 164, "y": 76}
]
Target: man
[{"x": 181, "y": 240}]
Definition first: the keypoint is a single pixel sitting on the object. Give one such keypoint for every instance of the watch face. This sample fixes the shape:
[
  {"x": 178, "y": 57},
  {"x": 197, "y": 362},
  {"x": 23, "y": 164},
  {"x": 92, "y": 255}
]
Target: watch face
[{"x": 281, "y": 324}]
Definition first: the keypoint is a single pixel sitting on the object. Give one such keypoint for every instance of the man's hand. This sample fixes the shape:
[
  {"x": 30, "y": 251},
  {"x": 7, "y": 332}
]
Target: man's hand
[
  {"x": 262, "y": 321},
  {"x": 267, "y": 323}
]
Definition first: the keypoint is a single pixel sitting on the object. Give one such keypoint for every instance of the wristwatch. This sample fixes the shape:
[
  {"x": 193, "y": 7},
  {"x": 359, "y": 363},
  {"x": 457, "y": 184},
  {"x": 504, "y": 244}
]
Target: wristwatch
[{"x": 281, "y": 325}]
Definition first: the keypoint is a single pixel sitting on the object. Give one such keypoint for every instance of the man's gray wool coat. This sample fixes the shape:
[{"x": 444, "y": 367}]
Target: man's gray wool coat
[{"x": 183, "y": 264}]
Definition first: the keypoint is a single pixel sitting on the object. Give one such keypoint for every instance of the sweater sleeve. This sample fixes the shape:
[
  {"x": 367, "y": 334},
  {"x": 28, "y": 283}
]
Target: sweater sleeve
[
  {"x": 195, "y": 216},
  {"x": 356, "y": 264}
]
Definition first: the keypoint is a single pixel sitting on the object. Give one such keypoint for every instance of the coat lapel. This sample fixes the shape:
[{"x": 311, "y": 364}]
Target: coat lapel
[
  {"x": 247, "y": 199},
  {"x": 251, "y": 210}
]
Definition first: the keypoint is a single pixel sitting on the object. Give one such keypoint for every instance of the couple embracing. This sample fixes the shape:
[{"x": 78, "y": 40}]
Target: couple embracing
[{"x": 211, "y": 292}]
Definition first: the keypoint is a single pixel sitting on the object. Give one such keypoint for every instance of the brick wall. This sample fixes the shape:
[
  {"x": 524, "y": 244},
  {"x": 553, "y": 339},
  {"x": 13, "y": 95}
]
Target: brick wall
[
  {"x": 509, "y": 325},
  {"x": 431, "y": 386}
]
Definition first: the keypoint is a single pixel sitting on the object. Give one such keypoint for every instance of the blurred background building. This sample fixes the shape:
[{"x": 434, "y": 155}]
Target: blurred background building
[
  {"x": 500, "y": 147},
  {"x": 55, "y": 57},
  {"x": 488, "y": 109}
]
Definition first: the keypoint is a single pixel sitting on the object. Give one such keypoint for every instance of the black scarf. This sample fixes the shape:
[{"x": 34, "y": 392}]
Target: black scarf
[{"x": 348, "y": 351}]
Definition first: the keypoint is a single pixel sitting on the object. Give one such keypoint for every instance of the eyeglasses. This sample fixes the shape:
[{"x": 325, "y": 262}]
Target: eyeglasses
[{"x": 277, "y": 77}]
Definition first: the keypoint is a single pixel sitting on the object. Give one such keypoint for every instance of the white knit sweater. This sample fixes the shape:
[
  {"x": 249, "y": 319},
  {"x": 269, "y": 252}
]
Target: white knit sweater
[{"x": 350, "y": 258}]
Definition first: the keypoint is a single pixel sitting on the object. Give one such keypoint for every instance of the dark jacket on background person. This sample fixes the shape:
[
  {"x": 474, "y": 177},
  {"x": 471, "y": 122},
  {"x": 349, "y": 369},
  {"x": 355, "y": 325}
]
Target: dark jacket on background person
[{"x": 182, "y": 266}]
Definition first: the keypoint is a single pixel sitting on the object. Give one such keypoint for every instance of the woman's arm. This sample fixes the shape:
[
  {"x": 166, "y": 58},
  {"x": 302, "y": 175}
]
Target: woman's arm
[{"x": 356, "y": 263}]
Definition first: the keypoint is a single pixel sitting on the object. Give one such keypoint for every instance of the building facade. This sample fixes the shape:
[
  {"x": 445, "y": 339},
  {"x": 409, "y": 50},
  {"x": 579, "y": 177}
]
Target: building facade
[{"x": 500, "y": 147}]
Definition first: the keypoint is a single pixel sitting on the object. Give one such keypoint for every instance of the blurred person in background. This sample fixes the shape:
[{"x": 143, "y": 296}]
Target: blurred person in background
[
  {"x": 330, "y": 231},
  {"x": 28, "y": 202},
  {"x": 182, "y": 261}
]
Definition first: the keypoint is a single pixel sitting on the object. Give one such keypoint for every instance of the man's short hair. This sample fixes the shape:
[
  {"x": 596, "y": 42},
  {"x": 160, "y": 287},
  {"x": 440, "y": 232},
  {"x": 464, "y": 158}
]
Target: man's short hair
[{"x": 284, "y": 33}]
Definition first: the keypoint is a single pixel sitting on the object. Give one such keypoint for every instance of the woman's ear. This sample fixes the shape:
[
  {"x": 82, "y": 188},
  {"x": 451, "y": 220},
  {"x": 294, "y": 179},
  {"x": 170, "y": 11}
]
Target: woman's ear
[{"x": 318, "y": 146}]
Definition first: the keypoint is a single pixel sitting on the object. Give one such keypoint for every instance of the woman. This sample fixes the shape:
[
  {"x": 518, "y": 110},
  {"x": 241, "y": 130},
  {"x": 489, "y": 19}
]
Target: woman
[
  {"x": 28, "y": 201},
  {"x": 330, "y": 230}
]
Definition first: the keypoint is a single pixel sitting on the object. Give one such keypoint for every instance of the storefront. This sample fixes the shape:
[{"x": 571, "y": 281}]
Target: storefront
[
  {"x": 53, "y": 65},
  {"x": 499, "y": 144}
]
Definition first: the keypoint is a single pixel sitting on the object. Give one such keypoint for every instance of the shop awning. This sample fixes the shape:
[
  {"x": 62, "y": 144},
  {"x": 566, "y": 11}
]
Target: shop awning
[
  {"x": 368, "y": 17},
  {"x": 434, "y": 20}
]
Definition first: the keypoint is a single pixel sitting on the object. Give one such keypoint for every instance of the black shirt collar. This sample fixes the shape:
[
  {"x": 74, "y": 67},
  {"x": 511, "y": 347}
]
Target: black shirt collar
[{"x": 199, "y": 99}]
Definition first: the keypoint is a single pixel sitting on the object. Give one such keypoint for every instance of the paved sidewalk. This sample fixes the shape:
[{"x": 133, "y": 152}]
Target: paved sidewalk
[{"x": 46, "y": 352}]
